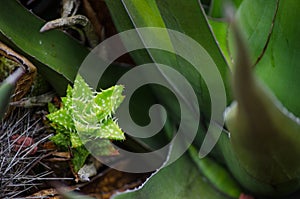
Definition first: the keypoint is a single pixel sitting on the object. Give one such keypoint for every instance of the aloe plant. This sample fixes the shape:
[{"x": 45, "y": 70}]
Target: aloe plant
[
  {"x": 82, "y": 106},
  {"x": 257, "y": 58},
  {"x": 262, "y": 150}
]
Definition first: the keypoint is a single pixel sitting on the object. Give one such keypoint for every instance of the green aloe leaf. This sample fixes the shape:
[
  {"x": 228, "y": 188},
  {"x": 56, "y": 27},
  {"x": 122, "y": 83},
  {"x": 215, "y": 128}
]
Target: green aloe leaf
[
  {"x": 280, "y": 64},
  {"x": 92, "y": 111},
  {"x": 179, "y": 180},
  {"x": 216, "y": 9},
  {"x": 130, "y": 14},
  {"x": 56, "y": 55},
  {"x": 216, "y": 174},
  {"x": 175, "y": 15},
  {"x": 79, "y": 112},
  {"x": 7, "y": 88},
  {"x": 271, "y": 31},
  {"x": 256, "y": 21},
  {"x": 178, "y": 16},
  {"x": 77, "y": 123},
  {"x": 263, "y": 134},
  {"x": 220, "y": 29}
]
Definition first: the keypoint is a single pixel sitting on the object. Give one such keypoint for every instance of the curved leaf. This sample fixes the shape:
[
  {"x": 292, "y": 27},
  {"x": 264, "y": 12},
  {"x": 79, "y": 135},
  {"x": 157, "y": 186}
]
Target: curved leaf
[
  {"x": 175, "y": 16},
  {"x": 256, "y": 20},
  {"x": 56, "y": 55},
  {"x": 7, "y": 88},
  {"x": 220, "y": 29},
  {"x": 217, "y": 7},
  {"x": 272, "y": 31},
  {"x": 264, "y": 136},
  {"x": 179, "y": 180},
  {"x": 280, "y": 66},
  {"x": 216, "y": 174}
]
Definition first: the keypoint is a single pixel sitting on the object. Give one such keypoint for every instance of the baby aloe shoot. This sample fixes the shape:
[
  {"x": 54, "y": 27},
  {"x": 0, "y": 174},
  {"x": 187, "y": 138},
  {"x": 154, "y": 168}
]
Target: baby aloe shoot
[{"x": 87, "y": 115}]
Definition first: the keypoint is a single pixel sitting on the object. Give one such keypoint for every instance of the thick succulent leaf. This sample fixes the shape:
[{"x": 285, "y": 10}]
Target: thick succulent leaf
[
  {"x": 67, "y": 100},
  {"x": 61, "y": 139},
  {"x": 256, "y": 20},
  {"x": 7, "y": 88},
  {"x": 75, "y": 140},
  {"x": 91, "y": 111},
  {"x": 163, "y": 14},
  {"x": 280, "y": 66},
  {"x": 83, "y": 106},
  {"x": 216, "y": 9},
  {"x": 80, "y": 154},
  {"x": 256, "y": 26},
  {"x": 246, "y": 180},
  {"x": 179, "y": 180},
  {"x": 62, "y": 120},
  {"x": 178, "y": 16},
  {"x": 56, "y": 55},
  {"x": 271, "y": 29},
  {"x": 220, "y": 29},
  {"x": 147, "y": 14},
  {"x": 216, "y": 174},
  {"x": 82, "y": 89},
  {"x": 237, "y": 3},
  {"x": 264, "y": 135},
  {"x": 110, "y": 130},
  {"x": 108, "y": 101},
  {"x": 80, "y": 108}
]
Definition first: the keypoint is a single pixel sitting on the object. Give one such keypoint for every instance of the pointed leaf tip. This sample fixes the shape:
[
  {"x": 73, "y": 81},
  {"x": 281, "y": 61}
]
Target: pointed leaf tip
[{"x": 264, "y": 135}]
